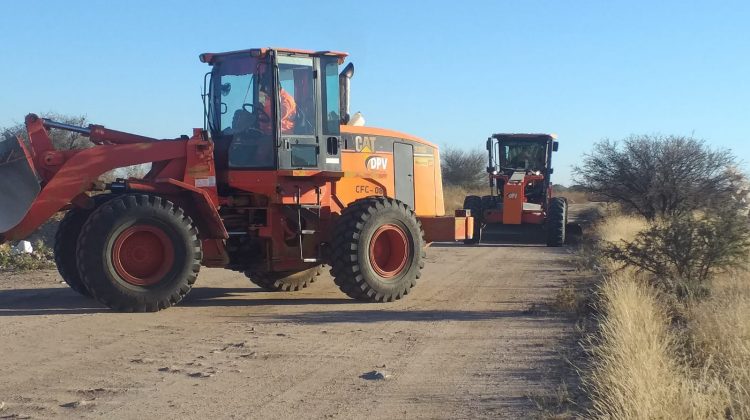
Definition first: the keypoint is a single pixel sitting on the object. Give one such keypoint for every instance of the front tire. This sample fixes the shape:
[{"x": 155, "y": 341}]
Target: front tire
[
  {"x": 284, "y": 281},
  {"x": 139, "y": 253},
  {"x": 557, "y": 218},
  {"x": 66, "y": 241},
  {"x": 378, "y": 250}
]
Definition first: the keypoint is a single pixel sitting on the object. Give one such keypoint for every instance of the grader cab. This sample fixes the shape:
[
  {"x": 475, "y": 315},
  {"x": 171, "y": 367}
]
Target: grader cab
[{"x": 276, "y": 185}]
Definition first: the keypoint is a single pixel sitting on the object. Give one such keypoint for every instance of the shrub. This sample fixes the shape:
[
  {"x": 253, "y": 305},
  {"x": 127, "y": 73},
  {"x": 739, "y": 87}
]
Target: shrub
[
  {"x": 41, "y": 258},
  {"x": 467, "y": 169},
  {"x": 685, "y": 251},
  {"x": 661, "y": 176}
]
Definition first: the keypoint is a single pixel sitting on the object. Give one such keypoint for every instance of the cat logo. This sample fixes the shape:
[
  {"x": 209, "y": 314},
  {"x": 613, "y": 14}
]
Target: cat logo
[
  {"x": 512, "y": 195},
  {"x": 364, "y": 144},
  {"x": 376, "y": 163}
]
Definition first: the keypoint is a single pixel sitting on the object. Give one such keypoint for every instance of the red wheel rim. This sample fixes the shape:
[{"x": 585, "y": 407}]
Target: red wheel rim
[
  {"x": 142, "y": 255},
  {"x": 389, "y": 251}
]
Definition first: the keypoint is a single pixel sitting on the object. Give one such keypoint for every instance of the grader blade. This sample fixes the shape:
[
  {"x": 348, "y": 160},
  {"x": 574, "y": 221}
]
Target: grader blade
[
  {"x": 500, "y": 233},
  {"x": 19, "y": 185}
]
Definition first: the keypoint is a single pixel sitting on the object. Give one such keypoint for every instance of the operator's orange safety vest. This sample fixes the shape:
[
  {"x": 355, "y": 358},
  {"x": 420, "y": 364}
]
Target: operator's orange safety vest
[{"x": 288, "y": 110}]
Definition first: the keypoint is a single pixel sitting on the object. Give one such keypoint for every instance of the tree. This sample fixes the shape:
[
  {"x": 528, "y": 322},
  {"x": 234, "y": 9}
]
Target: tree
[
  {"x": 61, "y": 139},
  {"x": 464, "y": 168},
  {"x": 661, "y": 176}
]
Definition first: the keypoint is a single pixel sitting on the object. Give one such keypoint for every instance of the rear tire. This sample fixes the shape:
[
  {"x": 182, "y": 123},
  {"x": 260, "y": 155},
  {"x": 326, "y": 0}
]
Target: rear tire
[
  {"x": 378, "y": 250},
  {"x": 288, "y": 281},
  {"x": 474, "y": 204},
  {"x": 66, "y": 240},
  {"x": 557, "y": 218},
  {"x": 139, "y": 253}
]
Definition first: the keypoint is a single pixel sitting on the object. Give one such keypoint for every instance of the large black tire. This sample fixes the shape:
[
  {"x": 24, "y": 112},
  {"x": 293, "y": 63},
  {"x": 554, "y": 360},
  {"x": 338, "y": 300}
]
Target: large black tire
[
  {"x": 557, "y": 219},
  {"x": 377, "y": 250},
  {"x": 66, "y": 240},
  {"x": 284, "y": 281},
  {"x": 474, "y": 203},
  {"x": 489, "y": 202},
  {"x": 139, "y": 253}
]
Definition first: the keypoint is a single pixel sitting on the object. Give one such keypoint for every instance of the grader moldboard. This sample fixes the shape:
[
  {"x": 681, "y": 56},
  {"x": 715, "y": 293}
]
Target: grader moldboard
[
  {"x": 520, "y": 206},
  {"x": 275, "y": 185}
]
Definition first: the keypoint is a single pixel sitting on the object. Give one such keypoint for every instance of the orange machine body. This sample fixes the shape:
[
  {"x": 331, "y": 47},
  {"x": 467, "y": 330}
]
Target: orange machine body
[{"x": 278, "y": 217}]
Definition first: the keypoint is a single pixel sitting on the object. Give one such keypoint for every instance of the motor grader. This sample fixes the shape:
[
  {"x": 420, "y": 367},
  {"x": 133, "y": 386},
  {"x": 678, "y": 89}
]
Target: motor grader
[
  {"x": 520, "y": 205},
  {"x": 276, "y": 185}
]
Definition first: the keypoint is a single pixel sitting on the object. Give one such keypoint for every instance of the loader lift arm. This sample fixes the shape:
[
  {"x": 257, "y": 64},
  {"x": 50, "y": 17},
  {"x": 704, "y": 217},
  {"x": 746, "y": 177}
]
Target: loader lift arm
[{"x": 44, "y": 180}]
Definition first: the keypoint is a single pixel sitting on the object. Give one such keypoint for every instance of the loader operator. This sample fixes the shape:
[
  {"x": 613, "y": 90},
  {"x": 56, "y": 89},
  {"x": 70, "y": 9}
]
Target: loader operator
[
  {"x": 288, "y": 110},
  {"x": 261, "y": 153}
]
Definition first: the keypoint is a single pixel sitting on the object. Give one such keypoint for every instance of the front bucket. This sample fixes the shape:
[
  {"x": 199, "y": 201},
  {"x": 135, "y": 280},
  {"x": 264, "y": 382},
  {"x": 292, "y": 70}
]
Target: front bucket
[{"x": 19, "y": 185}]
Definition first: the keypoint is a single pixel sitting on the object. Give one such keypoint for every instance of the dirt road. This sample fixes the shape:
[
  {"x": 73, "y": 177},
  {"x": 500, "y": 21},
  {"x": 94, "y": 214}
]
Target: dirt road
[{"x": 467, "y": 343}]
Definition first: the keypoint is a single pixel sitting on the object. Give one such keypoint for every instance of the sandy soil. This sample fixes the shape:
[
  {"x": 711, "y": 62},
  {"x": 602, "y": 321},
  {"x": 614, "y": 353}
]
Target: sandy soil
[{"x": 469, "y": 342}]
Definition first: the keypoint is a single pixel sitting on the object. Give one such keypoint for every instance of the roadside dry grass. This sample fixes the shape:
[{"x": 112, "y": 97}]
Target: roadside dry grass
[
  {"x": 636, "y": 370},
  {"x": 453, "y": 196},
  {"x": 574, "y": 197},
  {"x": 653, "y": 358},
  {"x": 719, "y": 338}
]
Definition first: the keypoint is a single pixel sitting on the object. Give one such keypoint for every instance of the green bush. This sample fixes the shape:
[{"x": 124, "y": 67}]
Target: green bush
[
  {"x": 685, "y": 251},
  {"x": 41, "y": 258}
]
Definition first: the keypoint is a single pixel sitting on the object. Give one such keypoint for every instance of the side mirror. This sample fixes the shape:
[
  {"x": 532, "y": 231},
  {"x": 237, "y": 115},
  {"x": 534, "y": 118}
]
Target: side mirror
[
  {"x": 551, "y": 171},
  {"x": 489, "y": 144},
  {"x": 555, "y": 145}
]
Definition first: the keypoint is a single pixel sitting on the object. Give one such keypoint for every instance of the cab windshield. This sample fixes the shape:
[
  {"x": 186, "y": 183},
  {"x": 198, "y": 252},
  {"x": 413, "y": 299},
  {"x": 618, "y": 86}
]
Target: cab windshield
[
  {"x": 526, "y": 155},
  {"x": 241, "y": 111}
]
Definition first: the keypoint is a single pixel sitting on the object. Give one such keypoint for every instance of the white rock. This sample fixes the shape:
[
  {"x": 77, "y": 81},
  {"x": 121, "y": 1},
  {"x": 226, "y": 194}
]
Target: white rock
[{"x": 23, "y": 247}]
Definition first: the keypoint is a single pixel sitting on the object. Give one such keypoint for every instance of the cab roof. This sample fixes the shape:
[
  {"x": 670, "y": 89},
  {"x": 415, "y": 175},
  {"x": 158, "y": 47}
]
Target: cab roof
[
  {"x": 261, "y": 52},
  {"x": 525, "y": 136}
]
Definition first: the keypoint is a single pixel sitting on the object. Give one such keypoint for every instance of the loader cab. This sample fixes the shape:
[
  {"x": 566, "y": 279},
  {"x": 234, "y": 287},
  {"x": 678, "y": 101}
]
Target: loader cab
[{"x": 274, "y": 109}]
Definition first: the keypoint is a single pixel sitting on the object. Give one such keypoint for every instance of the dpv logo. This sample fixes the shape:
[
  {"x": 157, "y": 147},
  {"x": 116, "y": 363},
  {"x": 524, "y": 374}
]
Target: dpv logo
[{"x": 376, "y": 163}]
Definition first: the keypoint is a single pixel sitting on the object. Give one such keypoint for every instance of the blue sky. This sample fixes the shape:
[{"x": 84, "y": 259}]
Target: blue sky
[{"x": 450, "y": 72}]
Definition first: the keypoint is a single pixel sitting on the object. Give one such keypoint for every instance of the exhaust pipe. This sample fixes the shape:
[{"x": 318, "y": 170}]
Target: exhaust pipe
[{"x": 345, "y": 81}]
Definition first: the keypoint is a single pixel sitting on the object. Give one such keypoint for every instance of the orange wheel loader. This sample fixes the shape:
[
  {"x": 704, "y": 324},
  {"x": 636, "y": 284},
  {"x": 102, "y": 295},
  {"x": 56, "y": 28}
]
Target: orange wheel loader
[{"x": 276, "y": 185}]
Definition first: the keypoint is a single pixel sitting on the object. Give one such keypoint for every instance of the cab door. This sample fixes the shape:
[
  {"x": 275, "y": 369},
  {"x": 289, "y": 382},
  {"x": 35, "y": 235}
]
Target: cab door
[
  {"x": 299, "y": 126},
  {"x": 403, "y": 166},
  {"x": 330, "y": 148}
]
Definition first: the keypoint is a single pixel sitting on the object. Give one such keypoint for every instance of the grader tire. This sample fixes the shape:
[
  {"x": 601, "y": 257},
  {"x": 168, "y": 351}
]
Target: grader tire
[
  {"x": 139, "y": 253},
  {"x": 66, "y": 240},
  {"x": 284, "y": 281},
  {"x": 557, "y": 219},
  {"x": 378, "y": 250}
]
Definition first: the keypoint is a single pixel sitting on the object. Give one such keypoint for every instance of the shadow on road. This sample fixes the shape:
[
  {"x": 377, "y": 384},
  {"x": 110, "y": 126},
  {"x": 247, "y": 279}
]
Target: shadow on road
[
  {"x": 485, "y": 245},
  {"x": 410, "y": 315},
  {"x": 220, "y": 296},
  {"x": 46, "y": 301},
  {"x": 63, "y": 301}
]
